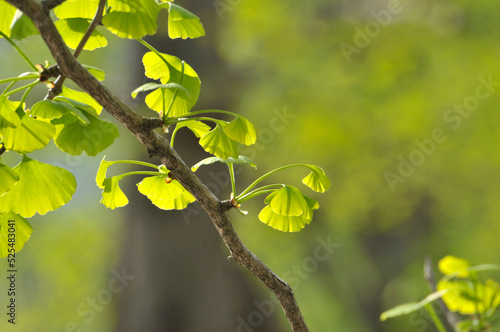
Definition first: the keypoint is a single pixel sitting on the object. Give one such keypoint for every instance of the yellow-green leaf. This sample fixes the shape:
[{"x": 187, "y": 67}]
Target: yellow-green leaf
[
  {"x": 82, "y": 97},
  {"x": 182, "y": 23},
  {"x": 72, "y": 31},
  {"x": 13, "y": 229},
  {"x": 8, "y": 115},
  {"x": 451, "y": 265},
  {"x": 7, "y": 12},
  {"x": 132, "y": 19},
  {"x": 32, "y": 134},
  {"x": 408, "y": 308},
  {"x": 317, "y": 179},
  {"x": 8, "y": 178},
  {"x": 166, "y": 196},
  {"x": 241, "y": 130},
  {"x": 77, "y": 9},
  {"x": 219, "y": 144},
  {"x": 112, "y": 195}
]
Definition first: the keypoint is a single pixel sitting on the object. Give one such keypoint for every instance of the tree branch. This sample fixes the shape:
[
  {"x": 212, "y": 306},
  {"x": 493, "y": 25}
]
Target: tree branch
[{"x": 159, "y": 147}]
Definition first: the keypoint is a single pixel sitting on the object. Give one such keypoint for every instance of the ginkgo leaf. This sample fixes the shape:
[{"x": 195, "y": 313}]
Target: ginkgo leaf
[
  {"x": 82, "y": 97},
  {"x": 72, "y": 31},
  {"x": 454, "y": 265},
  {"x": 13, "y": 224},
  {"x": 132, "y": 19},
  {"x": 8, "y": 178},
  {"x": 21, "y": 26},
  {"x": 166, "y": 196},
  {"x": 32, "y": 134},
  {"x": 41, "y": 188},
  {"x": 7, "y": 12},
  {"x": 317, "y": 179},
  {"x": 468, "y": 297},
  {"x": 182, "y": 23},
  {"x": 112, "y": 195},
  {"x": 287, "y": 201},
  {"x": 80, "y": 106},
  {"x": 241, "y": 130},
  {"x": 211, "y": 160},
  {"x": 8, "y": 115},
  {"x": 74, "y": 138},
  {"x": 219, "y": 144},
  {"x": 97, "y": 72},
  {"x": 153, "y": 86},
  {"x": 77, "y": 9},
  {"x": 170, "y": 69},
  {"x": 281, "y": 222},
  {"x": 197, "y": 127},
  {"x": 102, "y": 171},
  {"x": 408, "y": 308},
  {"x": 55, "y": 109}
]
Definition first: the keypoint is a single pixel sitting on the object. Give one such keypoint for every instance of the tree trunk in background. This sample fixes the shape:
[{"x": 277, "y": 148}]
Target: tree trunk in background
[{"x": 183, "y": 280}]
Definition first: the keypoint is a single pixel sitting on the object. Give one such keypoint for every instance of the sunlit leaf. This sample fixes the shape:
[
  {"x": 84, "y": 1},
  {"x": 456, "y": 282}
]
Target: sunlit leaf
[
  {"x": 281, "y": 222},
  {"x": 72, "y": 31},
  {"x": 166, "y": 196},
  {"x": 451, "y": 265},
  {"x": 82, "y": 97},
  {"x": 8, "y": 115},
  {"x": 219, "y": 144},
  {"x": 153, "y": 86},
  {"x": 287, "y": 201},
  {"x": 102, "y": 171},
  {"x": 408, "y": 308},
  {"x": 211, "y": 160},
  {"x": 41, "y": 188},
  {"x": 469, "y": 298},
  {"x": 182, "y": 23},
  {"x": 132, "y": 18},
  {"x": 32, "y": 134},
  {"x": 197, "y": 127},
  {"x": 8, "y": 178},
  {"x": 112, "y": 195},
  {"x": 77, "y": 9},
  {"x": 20, "y": 230},
  {"x": 74, "y": 138},
  {"x": 241, "y": 130},
  {"x": 317, "y": 179},
  {"x": 170, "y": 69},
  {"x": 55, "y": 109},
  {"x": 7, "y": 12},
  {"x": 80, "y": 106},
  {"x": 22, "y": 27}
]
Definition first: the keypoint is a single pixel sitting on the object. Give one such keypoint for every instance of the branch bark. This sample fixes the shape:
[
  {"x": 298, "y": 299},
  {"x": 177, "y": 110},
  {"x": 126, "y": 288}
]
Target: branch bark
[{"x": 160, "y": 148}]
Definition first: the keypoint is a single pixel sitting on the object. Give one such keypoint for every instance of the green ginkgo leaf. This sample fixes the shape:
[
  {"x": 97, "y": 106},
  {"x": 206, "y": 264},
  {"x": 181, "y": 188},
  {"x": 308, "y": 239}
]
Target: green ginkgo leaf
[
  {"x": 112, "y": 195},
  {"x": 211, "y": 160},
  {"x": 31, "y": 135},
  {"x": 219, "y": 144},
  {"x": 102, "y": 172},
  {"x": 74, "y": 138},
  {"x": 13, "y": 224},
  {"x": 468, "y": 297},
  {"x": 408, "y": 308},
  {"x": 8, "y": 115},
  {"x": 287, "y": 201},
  {"x": 132, "y": 19},
  {"x": 80, "y": 106},
  {"x": 167, "y": 195},
  {"x": 41, "y": 188},
  {"x": 72, "y": 31},
  {"x": 154, "y": 86},
  {"x": 454, "y": 265},
  {"x": 182, "y": 23},
  {"x": 77, "y": 9},
  {"x": 8, "y": 178},
  {"x": 21, "y": 26},
  {"x": 56, "y": 109},
  {"x": 317, "y": 179},
  {"x": 197, "y": 127},
  {"x": 241, "y": 130},
  {"x": 7, "y": 12},
  {"x": 170, "y": 69},
  {"x": 82, "y": 97}
]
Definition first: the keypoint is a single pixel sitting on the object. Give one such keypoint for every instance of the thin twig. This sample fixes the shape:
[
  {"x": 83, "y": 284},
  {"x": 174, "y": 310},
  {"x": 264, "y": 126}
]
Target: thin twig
[
  {"x": 58, "y": 84},
  {"x": 159, "y": 147},
  {"x": 2, "y": 150}
]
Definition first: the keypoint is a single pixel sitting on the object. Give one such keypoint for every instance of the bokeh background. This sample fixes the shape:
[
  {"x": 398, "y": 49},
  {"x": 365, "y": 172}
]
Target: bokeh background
[{"x": 358, "y": 87}]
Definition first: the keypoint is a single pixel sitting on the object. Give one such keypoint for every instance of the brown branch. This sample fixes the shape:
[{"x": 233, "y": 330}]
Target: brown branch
[
  {"x": 159, "y": 147},
  {"x": 58, "y": 84},
  {"x": 2, "y": 150}
]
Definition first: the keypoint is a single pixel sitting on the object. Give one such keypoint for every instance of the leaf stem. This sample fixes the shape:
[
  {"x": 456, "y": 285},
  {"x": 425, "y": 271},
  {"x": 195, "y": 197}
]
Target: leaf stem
[
  {"x": 141, "y": 173},
  {"x": 259, "y": 191},
  {"x": 231, "y": 174},
  {"x": 136, "y": 162},
  {"x": 27, "y": 86},
  {"x": 435, "y": 318},
  {"x": 19, "y": 51},
  {"x": 256, "y": 182},
  {"x": 15, "y": 79}
]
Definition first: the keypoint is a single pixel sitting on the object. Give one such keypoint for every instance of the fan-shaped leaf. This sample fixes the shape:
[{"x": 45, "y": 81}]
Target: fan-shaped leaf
[
  {"x": 451, "y": 265},
  {"x": 197, "y": 127},
  {"x": 8, "y": 178},
  {"x": 241, "y": 130},
  {"x": 132, "y": 19},
  {"x": 77, "y": 9},
  {"x": 317, "y": 179},
  {"x": 8, "y": 115},
  {"x": 72, "y": 31},
  {"x": 82, "y": 97},
  {"x": 41, "y": 188},
  {"x": 153, "y": 86},
  {"x": 21, "y": 26},
  {"x": 281, "y": 222},
  {"x": 219, "y": 144},
  {"x": 166, "y": 196},
  {"x": 287, "y": 201},
  {"x": 7, "y": 12},
  {"x": 112, "y": 195},
  {"x": 182, "y": 23},
  {"x": 32, "y": 134},
  {"x": 18, "y": 228}
]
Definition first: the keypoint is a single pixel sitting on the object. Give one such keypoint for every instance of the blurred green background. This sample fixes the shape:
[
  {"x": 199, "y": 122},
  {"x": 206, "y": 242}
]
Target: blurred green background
[{"x": 365, "y": 115}]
